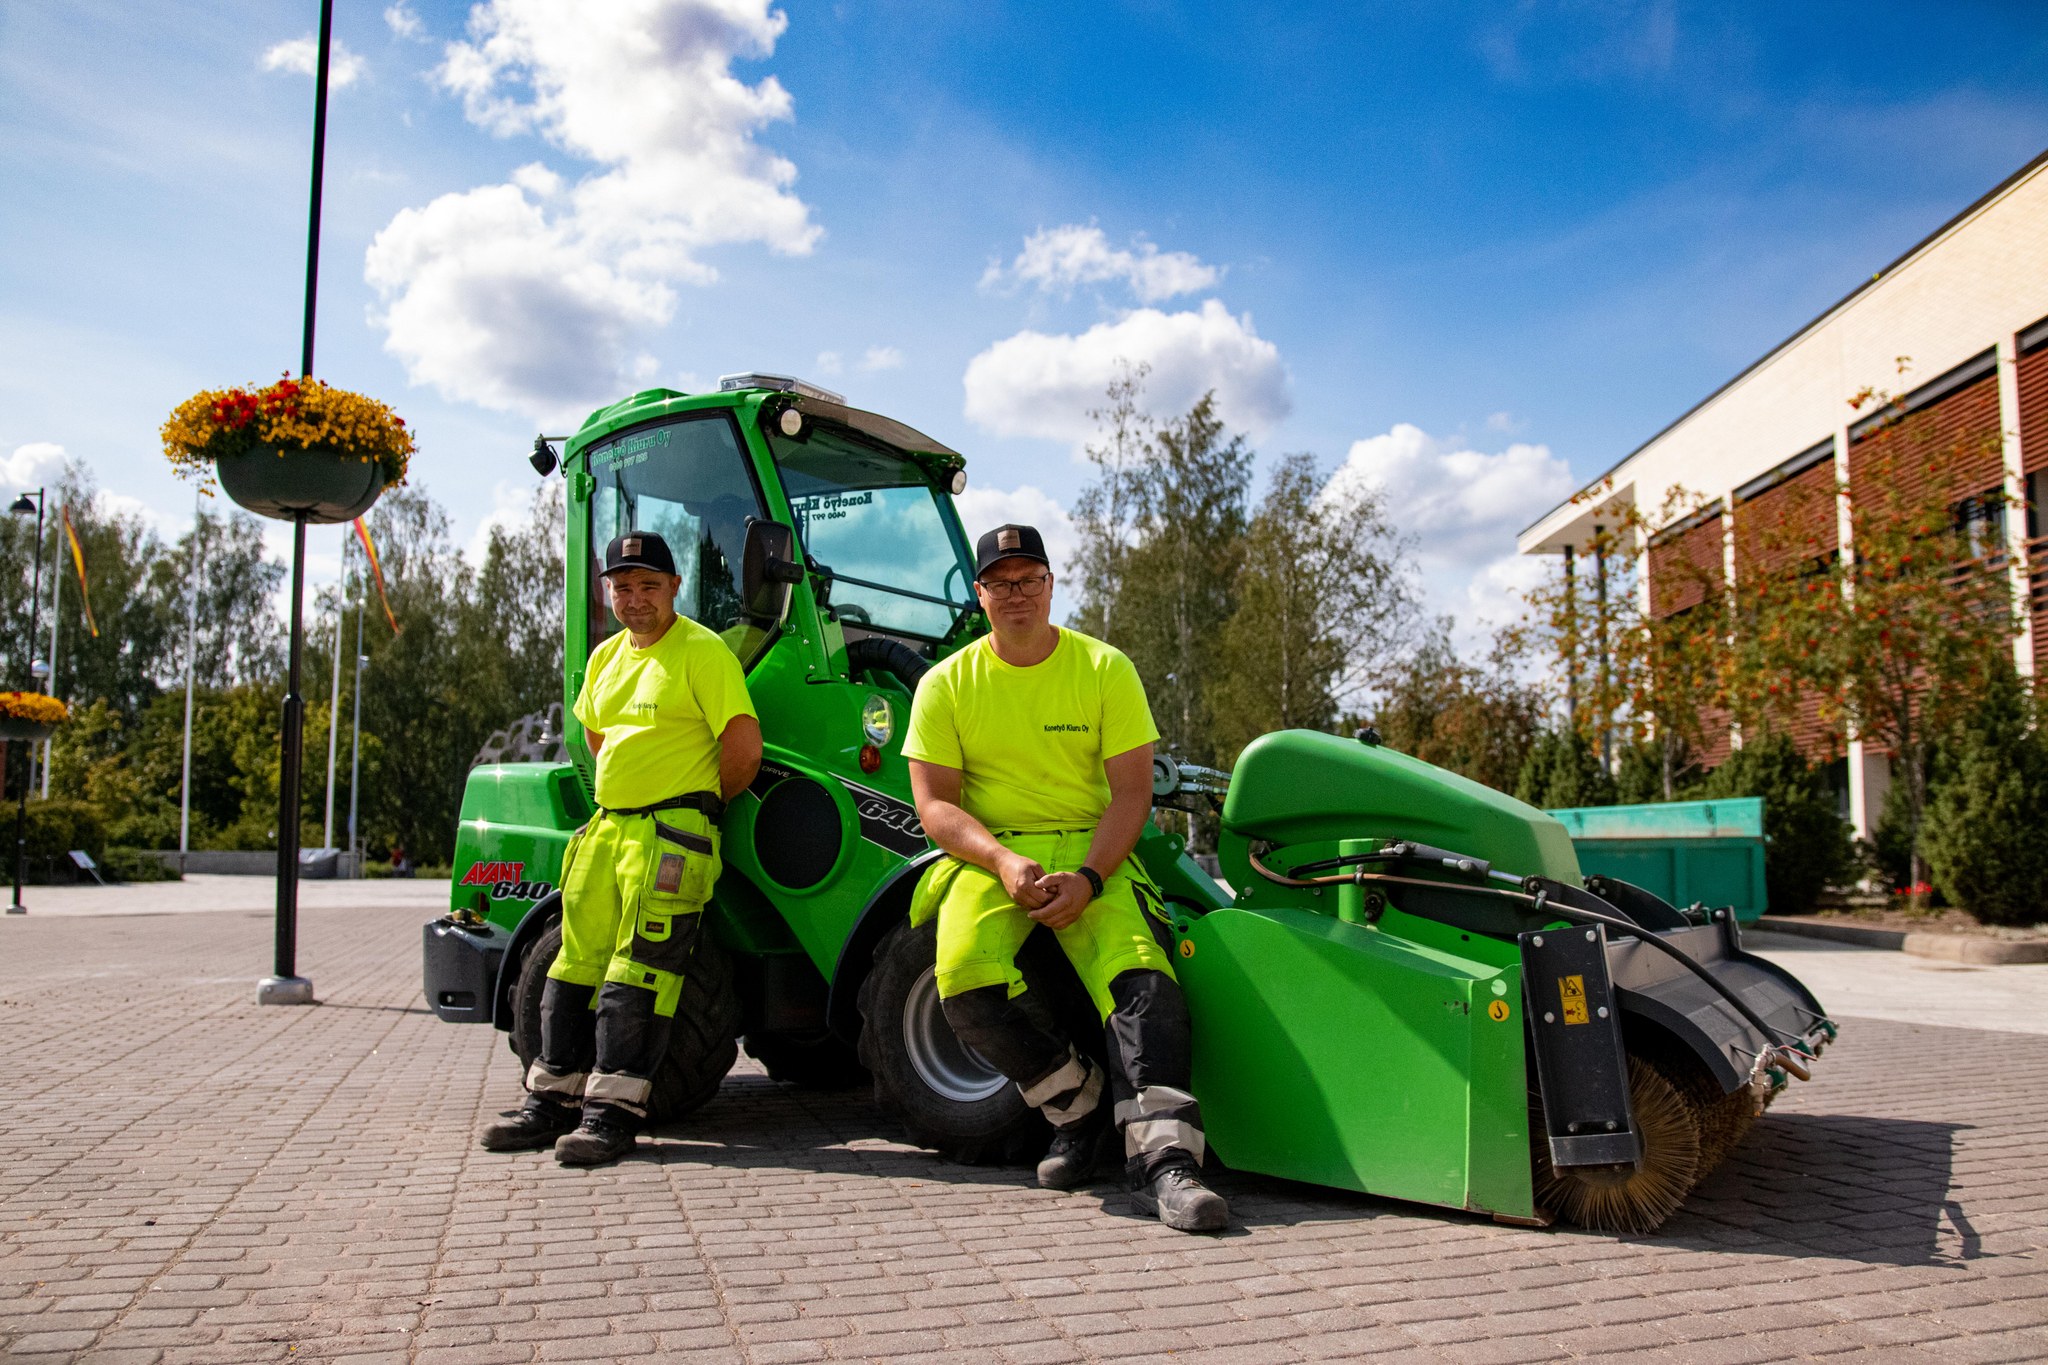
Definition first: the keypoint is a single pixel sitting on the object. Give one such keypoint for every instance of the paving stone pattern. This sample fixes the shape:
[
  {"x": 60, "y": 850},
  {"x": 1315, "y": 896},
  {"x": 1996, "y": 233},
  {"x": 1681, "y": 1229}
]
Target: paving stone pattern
[{"x": 187, "y": 1177}]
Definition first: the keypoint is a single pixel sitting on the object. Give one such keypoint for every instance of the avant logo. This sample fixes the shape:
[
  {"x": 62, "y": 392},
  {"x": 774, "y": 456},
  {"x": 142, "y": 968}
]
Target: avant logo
[{"x": 504, "y": 881}]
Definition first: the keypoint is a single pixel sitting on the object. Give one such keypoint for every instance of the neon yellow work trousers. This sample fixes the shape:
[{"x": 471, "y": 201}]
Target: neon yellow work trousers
[
  {"x": 629, "y": 884},
  {"x": 981, "y": 928}
]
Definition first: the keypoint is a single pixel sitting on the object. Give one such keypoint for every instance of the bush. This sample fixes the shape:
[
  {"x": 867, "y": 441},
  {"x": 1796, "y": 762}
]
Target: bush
[
  {"x": 1809, "y": 846},
  {"x": 57, "y": 826},
  {"x": 132, "y": 865},
  {"x": 1984, "y": 840},
  {"x": 1563, "y": 770}
]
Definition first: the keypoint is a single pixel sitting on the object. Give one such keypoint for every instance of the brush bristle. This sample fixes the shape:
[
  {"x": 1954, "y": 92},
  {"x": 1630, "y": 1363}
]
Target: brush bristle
[{"x": 1619, "y": 1198}]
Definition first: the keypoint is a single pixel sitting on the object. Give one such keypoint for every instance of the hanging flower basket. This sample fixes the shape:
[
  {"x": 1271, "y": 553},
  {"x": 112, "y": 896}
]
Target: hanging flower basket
[
  {"x": 30, "y": 715},
  {"x": 297, "y": 447}
]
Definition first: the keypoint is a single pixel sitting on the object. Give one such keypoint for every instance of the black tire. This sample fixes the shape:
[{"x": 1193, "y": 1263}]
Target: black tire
[
  {"x": 701, "y": 1046},
  {"x": 933, "y": 1085},
  {"x": 814, "y": 1061}
]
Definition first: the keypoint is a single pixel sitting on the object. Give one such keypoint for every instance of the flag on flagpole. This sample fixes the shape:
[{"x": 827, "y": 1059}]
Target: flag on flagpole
[
  {"x": 78, "y": 561},
  {"x": 376, "y": 572}
]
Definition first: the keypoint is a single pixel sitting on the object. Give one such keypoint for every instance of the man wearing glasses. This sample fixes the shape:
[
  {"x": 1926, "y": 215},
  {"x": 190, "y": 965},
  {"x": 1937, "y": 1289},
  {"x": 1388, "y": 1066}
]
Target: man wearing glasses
[{"x": 1031, "y": 759}]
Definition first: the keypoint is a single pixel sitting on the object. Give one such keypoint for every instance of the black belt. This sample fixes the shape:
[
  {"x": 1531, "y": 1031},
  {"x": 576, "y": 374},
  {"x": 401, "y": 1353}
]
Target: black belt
[{"x": 705, "y": 802}]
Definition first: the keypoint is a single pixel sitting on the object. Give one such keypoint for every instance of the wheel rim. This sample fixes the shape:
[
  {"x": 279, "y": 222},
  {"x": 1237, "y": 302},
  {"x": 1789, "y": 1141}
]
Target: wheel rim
[{"x": 942, "y": 1061}]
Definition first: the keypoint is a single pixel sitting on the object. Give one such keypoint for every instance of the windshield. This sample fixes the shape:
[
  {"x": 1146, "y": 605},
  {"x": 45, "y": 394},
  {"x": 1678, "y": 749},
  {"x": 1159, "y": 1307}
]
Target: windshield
[
  {"x": 687, "y": 481},
  {"x": 875, "y": 520}
]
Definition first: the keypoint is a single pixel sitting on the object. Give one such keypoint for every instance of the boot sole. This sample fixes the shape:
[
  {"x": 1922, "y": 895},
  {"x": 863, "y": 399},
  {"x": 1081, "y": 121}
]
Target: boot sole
[
  {"x": 1211, "y": 1222},
  {"x": 539, "y": 1142},
  {"x": 572, "y": 1158}
]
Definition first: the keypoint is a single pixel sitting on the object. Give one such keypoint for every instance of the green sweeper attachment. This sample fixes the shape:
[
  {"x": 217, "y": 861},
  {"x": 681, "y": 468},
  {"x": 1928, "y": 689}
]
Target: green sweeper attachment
[
  {"x": 1408, "y": 988},
  {"x": 1414, "y": 993}
]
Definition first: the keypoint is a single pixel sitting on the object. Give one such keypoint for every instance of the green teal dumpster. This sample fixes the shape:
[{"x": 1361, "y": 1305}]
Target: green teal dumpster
[{"x": 1711, "y": 852}]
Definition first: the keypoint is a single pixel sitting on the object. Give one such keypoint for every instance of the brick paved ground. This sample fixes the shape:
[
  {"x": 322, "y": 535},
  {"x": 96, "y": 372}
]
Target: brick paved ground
[{"x": 187, "y": 1177}]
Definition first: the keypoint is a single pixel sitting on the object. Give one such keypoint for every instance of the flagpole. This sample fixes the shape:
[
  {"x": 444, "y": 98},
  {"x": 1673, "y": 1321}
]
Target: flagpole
[
  {"x": 334, "y": 700},
  {"x": 191, "y": 650},
  {"x": 50, "y": 682},
  {"x": 355, "y": 743}
]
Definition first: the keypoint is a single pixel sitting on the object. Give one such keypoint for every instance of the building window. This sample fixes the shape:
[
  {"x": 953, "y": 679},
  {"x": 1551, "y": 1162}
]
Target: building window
[{"x": 1979, "y": 525}]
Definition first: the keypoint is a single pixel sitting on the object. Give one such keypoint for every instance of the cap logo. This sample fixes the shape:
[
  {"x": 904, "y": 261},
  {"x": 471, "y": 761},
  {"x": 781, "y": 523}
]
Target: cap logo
[
  {"x": 1008, "y": 539},
  {"x": 631, "y": 547}
]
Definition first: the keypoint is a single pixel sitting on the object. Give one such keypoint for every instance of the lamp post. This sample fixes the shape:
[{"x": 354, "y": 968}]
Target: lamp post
[
  {"x": 285, "y": 986},
  {"x": 22, "y": 506}
]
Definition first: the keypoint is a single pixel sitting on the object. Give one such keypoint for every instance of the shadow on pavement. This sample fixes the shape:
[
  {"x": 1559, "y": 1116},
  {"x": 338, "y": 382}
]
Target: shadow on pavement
[{"x": 1851, "y": 1186}]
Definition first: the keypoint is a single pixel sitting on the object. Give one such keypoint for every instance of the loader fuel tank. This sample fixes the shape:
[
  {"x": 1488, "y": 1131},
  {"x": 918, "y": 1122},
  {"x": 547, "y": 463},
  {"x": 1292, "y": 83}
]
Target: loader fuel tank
[{"x": 1306, "y": 787}]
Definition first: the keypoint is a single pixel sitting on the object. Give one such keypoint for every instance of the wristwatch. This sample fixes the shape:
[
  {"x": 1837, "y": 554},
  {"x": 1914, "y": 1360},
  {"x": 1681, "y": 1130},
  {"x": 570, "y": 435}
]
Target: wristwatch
[{"x": 1094, "y": 880}]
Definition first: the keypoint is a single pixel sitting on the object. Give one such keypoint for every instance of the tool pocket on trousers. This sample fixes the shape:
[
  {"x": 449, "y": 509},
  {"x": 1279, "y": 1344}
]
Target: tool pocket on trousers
[
  {"x": 685, "y": 866},
  {"x": 663, "y": 941}
]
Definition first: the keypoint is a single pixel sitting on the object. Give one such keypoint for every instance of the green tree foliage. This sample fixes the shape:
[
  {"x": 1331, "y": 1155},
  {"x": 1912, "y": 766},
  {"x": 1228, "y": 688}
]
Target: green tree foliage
[
  {"x": 1563, "y": 769},
  {"x": 1321, "y": 593},
  {"x": 1480, "y": 720},
  {"x": 1984, "y": 838},
  {"x": 1809, "y": 845},
  {"x": 482, "y": 646}
]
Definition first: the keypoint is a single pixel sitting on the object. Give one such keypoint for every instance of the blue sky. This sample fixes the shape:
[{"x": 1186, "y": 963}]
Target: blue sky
[{"x": 1479, "y": 252}]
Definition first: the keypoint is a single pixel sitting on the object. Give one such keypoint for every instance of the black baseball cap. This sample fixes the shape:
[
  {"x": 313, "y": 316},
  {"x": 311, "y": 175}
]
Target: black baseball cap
[
  {"x": 1009, "y": 542},
  {"x": 638, "y": 550}
]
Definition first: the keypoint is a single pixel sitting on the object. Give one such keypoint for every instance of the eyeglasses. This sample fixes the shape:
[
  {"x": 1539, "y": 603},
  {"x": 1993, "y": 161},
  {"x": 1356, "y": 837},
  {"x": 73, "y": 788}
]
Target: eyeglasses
[{"x": 1002, "y": 589}]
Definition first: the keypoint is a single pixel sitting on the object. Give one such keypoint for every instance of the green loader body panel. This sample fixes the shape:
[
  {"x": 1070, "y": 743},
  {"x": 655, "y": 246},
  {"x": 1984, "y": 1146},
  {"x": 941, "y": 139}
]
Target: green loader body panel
[
  {"x": 1305, "y": 788},
  {"x": 516, "y": 821},
  {"x": 1342, "y": 1055}
]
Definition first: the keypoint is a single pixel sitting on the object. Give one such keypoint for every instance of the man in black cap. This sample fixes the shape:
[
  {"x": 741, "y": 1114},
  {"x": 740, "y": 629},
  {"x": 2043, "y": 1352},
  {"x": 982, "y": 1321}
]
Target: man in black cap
[
  {"x": 665, "y": 710},
  {"x": 1031, "y": 759}
]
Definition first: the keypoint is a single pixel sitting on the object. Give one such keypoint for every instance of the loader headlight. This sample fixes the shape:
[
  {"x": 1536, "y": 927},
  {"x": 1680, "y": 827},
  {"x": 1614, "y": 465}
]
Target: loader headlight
[{"x": 878, "y": 720}]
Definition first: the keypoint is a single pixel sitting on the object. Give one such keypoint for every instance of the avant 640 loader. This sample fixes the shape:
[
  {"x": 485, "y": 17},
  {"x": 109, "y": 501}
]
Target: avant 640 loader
[{"x": 1409, "y": 989}]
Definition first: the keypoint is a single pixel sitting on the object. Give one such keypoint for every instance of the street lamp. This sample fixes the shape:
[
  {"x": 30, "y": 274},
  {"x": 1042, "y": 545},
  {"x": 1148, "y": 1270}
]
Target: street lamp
[{"x": 22, "y": 506}]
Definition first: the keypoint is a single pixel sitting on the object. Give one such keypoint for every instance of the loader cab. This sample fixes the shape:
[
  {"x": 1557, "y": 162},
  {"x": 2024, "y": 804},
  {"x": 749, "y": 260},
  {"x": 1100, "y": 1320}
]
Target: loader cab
[{"x": 821, "y": 543}]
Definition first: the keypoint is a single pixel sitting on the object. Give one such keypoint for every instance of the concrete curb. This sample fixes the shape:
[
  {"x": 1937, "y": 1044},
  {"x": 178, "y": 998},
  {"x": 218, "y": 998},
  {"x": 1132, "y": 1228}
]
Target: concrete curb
[{"x": 1947, "y": 947}]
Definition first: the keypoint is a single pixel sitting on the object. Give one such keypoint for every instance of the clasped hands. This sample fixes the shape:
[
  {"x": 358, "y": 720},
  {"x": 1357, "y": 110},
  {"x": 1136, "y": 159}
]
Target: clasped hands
[{"x": 1054, "y": 899}]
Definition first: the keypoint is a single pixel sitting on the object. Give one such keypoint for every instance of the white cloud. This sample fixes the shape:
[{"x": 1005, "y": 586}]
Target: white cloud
[
  {"x": 532, "y": 296},
  {"x": 829, "y": 362},
  {"x": 511, "y": 508},
  {"x": 882, "y": 358},
  {"x": 982, "y": 509},
  {"x": 301, "y": 57},
  {"x": 1462, "y": 508},
  {"x": 1034, "y": 384},
  {"x": 1057, "y": 259},
  {"x": 404, "y": 21},
  {"x": 39, "y": 464}
]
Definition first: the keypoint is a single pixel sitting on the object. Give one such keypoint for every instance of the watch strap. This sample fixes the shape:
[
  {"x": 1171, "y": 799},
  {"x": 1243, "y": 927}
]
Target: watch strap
[{"x": 1094, "y": 880}]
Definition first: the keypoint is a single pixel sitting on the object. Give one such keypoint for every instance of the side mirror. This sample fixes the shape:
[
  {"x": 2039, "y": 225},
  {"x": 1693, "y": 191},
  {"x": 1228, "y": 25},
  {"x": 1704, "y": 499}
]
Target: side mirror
[{"x": 768, "y": 570}]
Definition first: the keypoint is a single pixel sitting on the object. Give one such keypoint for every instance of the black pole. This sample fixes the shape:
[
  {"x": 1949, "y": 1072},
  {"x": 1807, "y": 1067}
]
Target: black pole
[
  {"x": 287, "y": 987},
  {"x": 319, "y": 165},
  {"x": 35, "y": 594},
  {"x": 288, "y": 772}
]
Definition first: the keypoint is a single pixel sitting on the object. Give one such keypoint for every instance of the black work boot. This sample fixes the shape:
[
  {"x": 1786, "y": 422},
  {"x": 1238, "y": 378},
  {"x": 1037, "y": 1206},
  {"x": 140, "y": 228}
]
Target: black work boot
[
  {"x": 605, "y": 1135},
  {"x": 530, "y": 1127},
  {"x": 1076, "y": 1151},
  {"x": 1182, "y": 1201}
]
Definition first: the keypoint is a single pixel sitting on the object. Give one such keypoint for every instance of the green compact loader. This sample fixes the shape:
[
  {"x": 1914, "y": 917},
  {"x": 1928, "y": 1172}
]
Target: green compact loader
[{"x": 1402, "y": 985}]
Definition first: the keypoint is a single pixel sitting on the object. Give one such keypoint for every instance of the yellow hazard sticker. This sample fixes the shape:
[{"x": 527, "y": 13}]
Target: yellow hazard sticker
[
  {"x": 1497, "y": 1010},
  {"x": 1187, "y": 947},
  {"x": 1572, "y": 989}
]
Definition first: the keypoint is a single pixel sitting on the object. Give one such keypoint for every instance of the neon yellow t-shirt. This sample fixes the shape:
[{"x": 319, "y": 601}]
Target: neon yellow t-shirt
[
  {"x": 661, "y": 711},
  {"x": 1030, "y": 742}
]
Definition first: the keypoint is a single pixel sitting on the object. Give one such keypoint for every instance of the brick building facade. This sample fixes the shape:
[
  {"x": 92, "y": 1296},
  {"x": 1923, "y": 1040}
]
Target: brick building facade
[{"x": 1969, "y": 308}]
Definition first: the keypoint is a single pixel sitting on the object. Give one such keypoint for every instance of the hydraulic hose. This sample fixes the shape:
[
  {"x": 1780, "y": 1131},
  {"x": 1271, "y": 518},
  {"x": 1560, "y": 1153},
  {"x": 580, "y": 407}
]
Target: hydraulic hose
[{"x": 880, "y": 654}]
